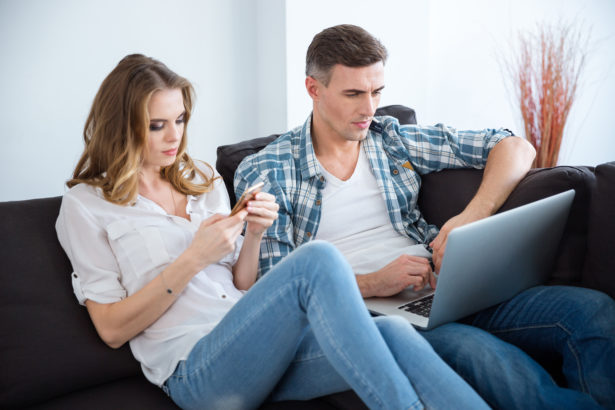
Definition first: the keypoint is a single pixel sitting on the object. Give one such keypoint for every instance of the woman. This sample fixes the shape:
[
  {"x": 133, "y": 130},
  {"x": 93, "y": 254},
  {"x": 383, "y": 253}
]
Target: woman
[{"x": 159, "y": 264}]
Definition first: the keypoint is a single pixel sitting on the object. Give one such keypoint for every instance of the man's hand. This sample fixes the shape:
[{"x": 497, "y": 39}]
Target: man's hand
[
  {"x": 404, "y": 271},
  {"x": 438, "y": 245}
]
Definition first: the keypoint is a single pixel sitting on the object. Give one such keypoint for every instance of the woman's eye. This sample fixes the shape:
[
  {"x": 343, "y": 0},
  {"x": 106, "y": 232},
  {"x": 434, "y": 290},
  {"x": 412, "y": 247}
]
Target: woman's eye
[{"x": 155, "y": 126}]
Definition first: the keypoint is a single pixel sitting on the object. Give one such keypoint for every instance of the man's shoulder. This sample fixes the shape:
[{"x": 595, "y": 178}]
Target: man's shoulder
[{"x": 282, "y": 149}]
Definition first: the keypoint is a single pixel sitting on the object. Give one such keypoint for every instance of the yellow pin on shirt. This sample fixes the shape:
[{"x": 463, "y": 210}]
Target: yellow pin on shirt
[{"x": 408, "y": 165}]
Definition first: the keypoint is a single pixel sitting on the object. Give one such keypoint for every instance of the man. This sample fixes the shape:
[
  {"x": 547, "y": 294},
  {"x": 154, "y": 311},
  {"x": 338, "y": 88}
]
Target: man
[{"x": 352, "y": 179}]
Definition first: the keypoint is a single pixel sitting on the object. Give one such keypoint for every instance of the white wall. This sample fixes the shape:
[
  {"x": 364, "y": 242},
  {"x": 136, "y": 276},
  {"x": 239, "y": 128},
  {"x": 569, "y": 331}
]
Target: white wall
[
  {"x": 246, "y": 60},
  {"x": 56, "y": 53},
  {"x": 466, "y": 86}
]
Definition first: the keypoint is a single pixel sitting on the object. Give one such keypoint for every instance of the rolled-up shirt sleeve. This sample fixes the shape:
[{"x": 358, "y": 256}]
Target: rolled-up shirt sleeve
[
  {"x": 95, "y": 271},
  {"x": 439, "y": 147}
]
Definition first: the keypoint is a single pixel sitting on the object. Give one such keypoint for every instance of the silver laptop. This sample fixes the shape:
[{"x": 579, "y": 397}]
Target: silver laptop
[{"x": 486, "y": 262}]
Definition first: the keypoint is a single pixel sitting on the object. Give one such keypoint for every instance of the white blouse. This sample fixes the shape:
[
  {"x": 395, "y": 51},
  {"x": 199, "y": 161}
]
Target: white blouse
[{"x": 115, "y": 250}]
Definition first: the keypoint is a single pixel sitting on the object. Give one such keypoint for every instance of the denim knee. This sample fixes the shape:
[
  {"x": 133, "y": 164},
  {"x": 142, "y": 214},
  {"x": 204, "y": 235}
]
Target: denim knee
[
  {"x": 600, "y": 312},
  {"x": 398, "y": 328},
  {"x": 591, "y": 309},
  {"x": 323, "y": 257}
]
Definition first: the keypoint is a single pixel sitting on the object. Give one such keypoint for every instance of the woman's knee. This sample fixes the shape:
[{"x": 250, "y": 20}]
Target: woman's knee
[
  {"x": 398, "y": 328},
  {"x": 323, "y": 257}
]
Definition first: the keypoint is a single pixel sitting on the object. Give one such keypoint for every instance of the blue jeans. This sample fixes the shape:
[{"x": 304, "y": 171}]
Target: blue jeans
[
  {"x": 303, "y": 331},
  {"x": 497, "y": 350}
]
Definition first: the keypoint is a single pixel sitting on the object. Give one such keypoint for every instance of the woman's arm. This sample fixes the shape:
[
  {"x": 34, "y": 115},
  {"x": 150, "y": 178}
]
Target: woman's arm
[
  {"x": 119, "y": 322},
  {"x": 262, "y": 211}
]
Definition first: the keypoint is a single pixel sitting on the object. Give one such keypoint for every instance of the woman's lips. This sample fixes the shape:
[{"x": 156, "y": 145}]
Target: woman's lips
[{"x": 170, "y": 152}]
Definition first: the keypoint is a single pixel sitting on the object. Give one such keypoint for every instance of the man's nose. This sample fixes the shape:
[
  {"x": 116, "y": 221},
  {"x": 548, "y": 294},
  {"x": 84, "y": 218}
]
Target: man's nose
[{"x": 368, "y": 105}]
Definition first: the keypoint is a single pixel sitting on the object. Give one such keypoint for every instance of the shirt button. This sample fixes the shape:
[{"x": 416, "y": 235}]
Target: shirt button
[
  {"x": 318, "y": 202},
  {"x": 75, "y": 275},
  {"x": 308, "y": 234},
  {"x": 395, "y": 172},
  {"x": 223, "y": 296},
  {"x": 322, "y": 179}
]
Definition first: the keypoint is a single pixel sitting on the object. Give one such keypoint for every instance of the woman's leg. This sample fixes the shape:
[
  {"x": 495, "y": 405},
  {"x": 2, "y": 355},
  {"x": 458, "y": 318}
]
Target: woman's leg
[
  {"x": 245, "y": 356},
  {"x": 575, "y": 324},
  {"x": 239, "y": 363},
  {"x": 437, "y": 385}
]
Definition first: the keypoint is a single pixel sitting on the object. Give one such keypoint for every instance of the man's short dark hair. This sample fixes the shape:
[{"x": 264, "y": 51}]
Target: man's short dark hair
[{"x": 345, "y": 44}]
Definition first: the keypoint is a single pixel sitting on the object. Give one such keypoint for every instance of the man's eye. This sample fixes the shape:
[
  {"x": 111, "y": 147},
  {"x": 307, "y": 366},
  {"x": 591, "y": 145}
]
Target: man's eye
[{"x": 155, "y": 126}]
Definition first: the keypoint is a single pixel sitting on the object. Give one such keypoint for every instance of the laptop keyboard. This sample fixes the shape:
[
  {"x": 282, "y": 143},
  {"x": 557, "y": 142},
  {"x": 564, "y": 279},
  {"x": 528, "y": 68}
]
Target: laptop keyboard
[{"x": 419, "y": 307}]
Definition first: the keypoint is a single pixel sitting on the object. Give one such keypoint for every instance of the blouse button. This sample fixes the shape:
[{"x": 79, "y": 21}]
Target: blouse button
[
  {"x": 223, "y": 296},
  {"x": 75, "y": 275},
  {"x": 322, "y": 179},
  {"x": 395, "y": 172},
  {"x": 318, "y": 202},
  {"x": 308, "y": 234}
]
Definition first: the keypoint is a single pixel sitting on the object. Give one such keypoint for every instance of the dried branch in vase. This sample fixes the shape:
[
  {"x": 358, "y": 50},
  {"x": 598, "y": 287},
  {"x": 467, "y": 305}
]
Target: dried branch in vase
[{"x": 545, "y": 75}]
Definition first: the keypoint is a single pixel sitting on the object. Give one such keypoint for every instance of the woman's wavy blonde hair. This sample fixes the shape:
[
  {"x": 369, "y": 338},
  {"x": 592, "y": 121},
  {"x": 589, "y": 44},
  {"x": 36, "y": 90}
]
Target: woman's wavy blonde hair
[{"x": 115, "y": 133}]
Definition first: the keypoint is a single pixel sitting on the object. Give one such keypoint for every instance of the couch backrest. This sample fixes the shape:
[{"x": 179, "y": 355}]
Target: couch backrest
[{"x": 48, "y": 345}]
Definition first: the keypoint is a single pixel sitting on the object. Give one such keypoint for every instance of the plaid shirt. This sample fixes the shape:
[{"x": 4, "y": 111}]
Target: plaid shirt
[{"x": 398, "y": 155}]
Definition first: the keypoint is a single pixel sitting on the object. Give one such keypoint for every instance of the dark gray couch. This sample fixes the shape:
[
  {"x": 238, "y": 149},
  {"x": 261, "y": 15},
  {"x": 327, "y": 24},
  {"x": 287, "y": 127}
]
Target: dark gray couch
[{"x": 52, "y": 358}]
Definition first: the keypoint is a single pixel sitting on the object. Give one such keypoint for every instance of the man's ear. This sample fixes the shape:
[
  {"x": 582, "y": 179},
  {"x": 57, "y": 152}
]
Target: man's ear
[{"x": 312, "y": 86}]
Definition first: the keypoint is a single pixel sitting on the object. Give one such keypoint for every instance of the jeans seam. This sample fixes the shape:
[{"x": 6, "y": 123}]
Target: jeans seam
[
  {"x": 571, "y": 347},
  {"x": 342, "y": 355}
]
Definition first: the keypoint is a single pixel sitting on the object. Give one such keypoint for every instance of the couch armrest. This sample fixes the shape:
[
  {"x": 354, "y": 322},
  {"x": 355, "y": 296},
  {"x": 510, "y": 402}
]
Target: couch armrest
[{"x": 599, "y": 270}]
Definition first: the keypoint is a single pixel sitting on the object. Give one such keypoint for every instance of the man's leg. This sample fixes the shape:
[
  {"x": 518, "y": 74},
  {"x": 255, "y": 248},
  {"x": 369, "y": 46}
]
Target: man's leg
[
  {"x": 505, "y": 376},
  {"x": 575, "y": 324}
]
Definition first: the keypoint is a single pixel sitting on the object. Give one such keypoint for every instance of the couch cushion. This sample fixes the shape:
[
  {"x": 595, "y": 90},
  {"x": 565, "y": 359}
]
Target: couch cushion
[
  {"x": 129, "y": 393},
  {"x": 229, "y": 156},
  {"x": 446, "y": 193},
  {"x": 48, "y": 344},
  {"x": 600, "y": 263}
]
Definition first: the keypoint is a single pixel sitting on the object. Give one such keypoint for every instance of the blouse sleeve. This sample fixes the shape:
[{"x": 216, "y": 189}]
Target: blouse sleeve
[{"x": 95, "y": 271}]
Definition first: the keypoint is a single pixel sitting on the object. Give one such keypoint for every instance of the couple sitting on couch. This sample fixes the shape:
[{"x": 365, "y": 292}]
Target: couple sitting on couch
[{"x": 160, "y": 264}]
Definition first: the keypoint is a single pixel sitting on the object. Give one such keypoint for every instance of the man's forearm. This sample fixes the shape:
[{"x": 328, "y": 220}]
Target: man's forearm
[{"x": 507, "y": 164}]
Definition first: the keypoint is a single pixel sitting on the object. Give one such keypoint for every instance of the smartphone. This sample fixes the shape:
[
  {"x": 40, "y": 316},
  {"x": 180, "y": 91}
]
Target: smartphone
[{"x": 246, "y": 196}]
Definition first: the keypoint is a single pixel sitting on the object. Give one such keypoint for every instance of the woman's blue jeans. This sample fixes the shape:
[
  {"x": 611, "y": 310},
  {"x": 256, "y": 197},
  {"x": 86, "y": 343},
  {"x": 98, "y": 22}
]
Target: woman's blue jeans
[
  {"x": 498, "y": 350},
  {"x": 303, "y": 331}
]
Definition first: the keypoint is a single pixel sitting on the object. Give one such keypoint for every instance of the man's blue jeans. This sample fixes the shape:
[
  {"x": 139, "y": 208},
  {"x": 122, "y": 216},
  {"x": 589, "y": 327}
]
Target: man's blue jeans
[
  {"x": 303, "y": 331},
  {"x": 548, "y": 324}
]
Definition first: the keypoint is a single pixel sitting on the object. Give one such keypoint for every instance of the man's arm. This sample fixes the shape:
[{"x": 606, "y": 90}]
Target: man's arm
[{"x": 507, "y": 163}]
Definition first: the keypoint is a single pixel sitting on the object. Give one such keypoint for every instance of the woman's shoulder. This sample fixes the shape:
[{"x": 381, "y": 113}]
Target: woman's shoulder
[
  {"x": 84, "y": 193},
  {"x": 85, "y": 198}
]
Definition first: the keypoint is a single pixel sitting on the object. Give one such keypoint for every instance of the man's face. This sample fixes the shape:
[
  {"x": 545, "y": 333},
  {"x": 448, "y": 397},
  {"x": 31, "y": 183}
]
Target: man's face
[{"x": 344, "y": 109}]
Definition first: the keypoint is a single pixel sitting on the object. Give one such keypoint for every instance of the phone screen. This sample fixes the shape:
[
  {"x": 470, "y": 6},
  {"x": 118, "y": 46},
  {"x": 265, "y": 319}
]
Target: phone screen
[{"x": 246, "y": 196}]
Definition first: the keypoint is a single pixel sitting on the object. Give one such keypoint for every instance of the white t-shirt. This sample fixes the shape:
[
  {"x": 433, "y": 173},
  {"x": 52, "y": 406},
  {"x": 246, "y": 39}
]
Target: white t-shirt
[
  {"x": 354, "y": 218},
  {"x": 116, "y": 250}
]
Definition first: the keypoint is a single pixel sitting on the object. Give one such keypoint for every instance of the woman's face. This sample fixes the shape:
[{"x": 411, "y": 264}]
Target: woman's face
[{"x": 166, "y": 128}]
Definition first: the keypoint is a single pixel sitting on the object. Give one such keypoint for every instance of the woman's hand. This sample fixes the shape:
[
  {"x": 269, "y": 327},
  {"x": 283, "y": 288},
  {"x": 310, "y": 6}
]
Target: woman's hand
[
  {"x": 262, "y": 211},
  {"x": 216, "y": 238}
]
